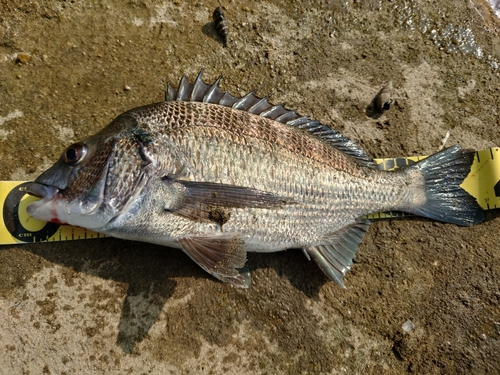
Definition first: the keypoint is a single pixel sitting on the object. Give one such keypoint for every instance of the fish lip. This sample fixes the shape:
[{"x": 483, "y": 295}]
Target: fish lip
[{"x": 45, "y": 192}]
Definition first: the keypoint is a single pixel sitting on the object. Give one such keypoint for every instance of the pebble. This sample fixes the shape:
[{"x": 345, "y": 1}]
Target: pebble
[
  {"x": 383, "y": 99},
  {"x": 408, "y": 326},
  {"x": 23, "y": 58}
]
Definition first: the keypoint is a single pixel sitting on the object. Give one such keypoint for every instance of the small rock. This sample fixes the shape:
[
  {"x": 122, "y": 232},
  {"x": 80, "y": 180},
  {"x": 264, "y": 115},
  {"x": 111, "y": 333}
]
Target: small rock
[
  {"x": 23, "y": 58},
  {"x": 383, "y": 99},
  {"x": 408, "y": 326}
]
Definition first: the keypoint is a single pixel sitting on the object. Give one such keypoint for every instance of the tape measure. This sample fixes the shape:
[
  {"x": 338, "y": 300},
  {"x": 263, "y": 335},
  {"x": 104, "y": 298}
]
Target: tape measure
[
  {"x": 483, "y": 181},
  {"x": 16, "y": 226}
]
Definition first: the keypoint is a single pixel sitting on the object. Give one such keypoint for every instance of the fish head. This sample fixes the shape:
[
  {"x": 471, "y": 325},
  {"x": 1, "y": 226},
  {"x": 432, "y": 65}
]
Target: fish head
[{"x": 94, "y": 179}]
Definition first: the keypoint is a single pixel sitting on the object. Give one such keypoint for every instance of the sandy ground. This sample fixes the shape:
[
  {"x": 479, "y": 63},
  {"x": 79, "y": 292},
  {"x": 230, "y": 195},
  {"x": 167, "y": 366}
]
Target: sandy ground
[{"x": 111, "y": 306}]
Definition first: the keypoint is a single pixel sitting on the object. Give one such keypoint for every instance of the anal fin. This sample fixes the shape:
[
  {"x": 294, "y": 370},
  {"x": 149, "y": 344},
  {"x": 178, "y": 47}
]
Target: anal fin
[
  {"x": 336, "y": 255},
  {"x": 223, "y": 256}
]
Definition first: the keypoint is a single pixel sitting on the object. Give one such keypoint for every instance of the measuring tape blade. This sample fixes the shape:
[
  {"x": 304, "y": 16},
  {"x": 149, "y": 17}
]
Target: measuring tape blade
[
  {"x": 16, "y": 226},
  {"x": 483, "y": 181}
]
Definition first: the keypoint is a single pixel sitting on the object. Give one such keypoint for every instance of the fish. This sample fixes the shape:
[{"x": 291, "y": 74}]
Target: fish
[
  {"x": 219, "y": 176},
  {"x": 220, "y": 23}
]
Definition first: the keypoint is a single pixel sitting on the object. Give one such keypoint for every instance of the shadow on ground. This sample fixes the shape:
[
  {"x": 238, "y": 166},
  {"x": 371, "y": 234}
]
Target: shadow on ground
[{"x": 149, "y": 273}]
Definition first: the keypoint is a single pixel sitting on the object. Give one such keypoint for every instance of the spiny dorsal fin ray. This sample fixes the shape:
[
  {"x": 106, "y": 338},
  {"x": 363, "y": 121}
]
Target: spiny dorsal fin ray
[
  {"x": 199, "y": 89},
  {"x": 171, "y": 93},
  {"x": 214, "y": 94},
  {"x": 260, "y": 106},
  {"x": 185, "y": 90},
  {"x": 246, "y": 102},
  {"x": 228, "y": 100},
  {"x": 211, "y": 93}
]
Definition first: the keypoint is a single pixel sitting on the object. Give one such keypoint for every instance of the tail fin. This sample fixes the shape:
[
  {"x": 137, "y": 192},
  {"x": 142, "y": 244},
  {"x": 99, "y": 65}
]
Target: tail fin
[{"x": 445, "y": 200}]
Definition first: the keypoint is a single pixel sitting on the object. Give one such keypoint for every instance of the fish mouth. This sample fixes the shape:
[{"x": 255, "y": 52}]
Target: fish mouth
[{"x": 46, "y": 192}]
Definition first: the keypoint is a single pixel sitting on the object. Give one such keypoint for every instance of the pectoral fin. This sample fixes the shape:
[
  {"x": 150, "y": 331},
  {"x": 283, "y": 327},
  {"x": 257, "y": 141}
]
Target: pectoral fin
[
  {"x": 223, "y": 256},
  {"x": 207, "y": 200},
  {"x": 336, "y": 255}
]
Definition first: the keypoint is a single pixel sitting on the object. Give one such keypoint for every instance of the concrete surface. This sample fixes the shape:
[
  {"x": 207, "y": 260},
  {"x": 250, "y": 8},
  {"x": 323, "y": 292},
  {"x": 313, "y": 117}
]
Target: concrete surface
[{"x": 117, "y": 307}]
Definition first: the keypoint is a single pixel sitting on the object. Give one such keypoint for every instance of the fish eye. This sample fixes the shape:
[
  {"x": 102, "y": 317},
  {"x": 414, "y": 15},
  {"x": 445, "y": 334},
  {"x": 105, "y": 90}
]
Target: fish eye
[{"x": 75, "y": 153}]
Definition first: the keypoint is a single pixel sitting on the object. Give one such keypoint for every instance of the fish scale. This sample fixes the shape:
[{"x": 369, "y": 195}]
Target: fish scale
[
  {"x": 253, "y": 146},
  {"x": 218, "y": 176}
]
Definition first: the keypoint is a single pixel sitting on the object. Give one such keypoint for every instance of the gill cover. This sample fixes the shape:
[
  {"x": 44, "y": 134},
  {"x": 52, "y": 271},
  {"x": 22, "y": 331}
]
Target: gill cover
[{"x": 92, "y": 179}]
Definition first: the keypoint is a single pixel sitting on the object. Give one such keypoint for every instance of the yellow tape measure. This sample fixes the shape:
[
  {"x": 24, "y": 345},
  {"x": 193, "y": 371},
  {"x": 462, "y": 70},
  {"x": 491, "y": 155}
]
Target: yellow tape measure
[
  {"x": 16, "y": 226},
  {"x": 483, "y": 181}
]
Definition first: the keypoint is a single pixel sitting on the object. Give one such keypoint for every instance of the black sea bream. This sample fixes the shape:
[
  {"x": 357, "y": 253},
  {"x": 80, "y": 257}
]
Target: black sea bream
[{"x": 218, "y": 176}]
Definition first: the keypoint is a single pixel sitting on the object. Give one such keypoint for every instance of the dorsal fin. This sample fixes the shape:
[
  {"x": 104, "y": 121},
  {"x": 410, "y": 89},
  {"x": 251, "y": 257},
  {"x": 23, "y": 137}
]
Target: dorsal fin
[{"x": 200, "y": 91}]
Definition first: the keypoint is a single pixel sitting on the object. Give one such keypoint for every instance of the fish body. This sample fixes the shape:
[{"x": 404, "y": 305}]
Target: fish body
[{"x": 219, "y": 176}]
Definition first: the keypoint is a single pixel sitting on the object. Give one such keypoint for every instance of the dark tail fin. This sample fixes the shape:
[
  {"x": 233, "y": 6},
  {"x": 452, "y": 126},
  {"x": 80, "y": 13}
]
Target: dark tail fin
[{"x": 445, "y": 199}]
